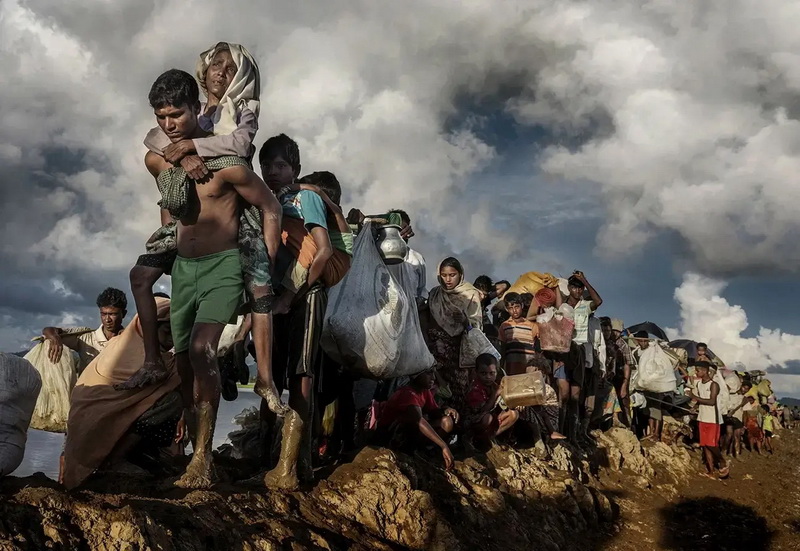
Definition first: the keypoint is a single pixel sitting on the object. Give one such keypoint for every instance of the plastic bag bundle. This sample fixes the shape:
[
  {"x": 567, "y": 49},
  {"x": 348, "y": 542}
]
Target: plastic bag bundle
[
  {"x": 245, "y": 441},
  {"x": 555, "y": 331},
  {"x": 473, "y": 344},
  {"x": 20, "y": 384},
  {"x": 656, "y": 370},
  {"x": 248, "y": 417},
  {"x": 371, "y": 326},
  {"x": 733, "y": 382},
  {"x": 58, "y": 379}
]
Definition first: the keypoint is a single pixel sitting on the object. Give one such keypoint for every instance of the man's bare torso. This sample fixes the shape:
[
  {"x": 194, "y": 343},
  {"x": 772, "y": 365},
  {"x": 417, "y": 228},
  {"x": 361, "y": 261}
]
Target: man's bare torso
[{"x": 212, "y": 223}]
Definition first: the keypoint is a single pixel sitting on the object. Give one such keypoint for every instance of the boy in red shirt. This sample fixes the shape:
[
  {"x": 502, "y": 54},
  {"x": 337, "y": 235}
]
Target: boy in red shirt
[
  {"x": 412, "y": 413},
  {"x": 487, "y": 420}
]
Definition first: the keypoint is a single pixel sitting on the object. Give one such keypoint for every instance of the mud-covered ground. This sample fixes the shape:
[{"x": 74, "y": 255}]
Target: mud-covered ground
[
  {"x": 756, "y": 509},
  {"x": 618, "y": 496}
]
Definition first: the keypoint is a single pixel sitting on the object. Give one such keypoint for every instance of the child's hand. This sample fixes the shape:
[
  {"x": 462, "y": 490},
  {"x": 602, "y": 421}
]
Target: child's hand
[
  {"x": 316, "y": 189},
  {"x": 447, "y": 455}
]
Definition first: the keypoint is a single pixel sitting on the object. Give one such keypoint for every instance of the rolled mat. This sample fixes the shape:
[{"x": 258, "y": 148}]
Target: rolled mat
[{"x": 546, "y": 297}]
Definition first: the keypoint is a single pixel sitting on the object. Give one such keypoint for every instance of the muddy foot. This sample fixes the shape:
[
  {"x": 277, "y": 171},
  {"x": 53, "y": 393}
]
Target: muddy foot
[
  {"x": 199, "y": 475},
  {"x": 151, "y": 373},
  {"x": 278, "y": 479},
  {"x": 269, "y": 392}
]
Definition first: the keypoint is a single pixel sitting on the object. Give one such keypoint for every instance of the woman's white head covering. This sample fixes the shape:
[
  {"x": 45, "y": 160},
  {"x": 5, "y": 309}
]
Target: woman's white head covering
[{"x": 242, "y": 92}]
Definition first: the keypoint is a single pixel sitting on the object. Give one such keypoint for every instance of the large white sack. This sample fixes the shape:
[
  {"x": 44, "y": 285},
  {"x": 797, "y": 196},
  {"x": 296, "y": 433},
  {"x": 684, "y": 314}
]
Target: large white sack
[
  {"x": 371, "y": 326},
  {"x": 58, "y": 379},
  {"x": 724, "y": 397},
  {"x": 656, "y": 370},
  {"x": 732, "y": 381},
  {"x": 19, "y": 387}
]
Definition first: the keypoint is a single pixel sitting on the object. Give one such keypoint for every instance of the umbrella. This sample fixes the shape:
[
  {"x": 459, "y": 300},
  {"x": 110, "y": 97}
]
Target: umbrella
[{"x": 650, "y": 327}]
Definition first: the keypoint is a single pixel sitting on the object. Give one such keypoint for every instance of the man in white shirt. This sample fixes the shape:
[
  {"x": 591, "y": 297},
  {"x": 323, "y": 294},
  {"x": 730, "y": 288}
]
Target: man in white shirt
[{"x": 113, "y": 306}]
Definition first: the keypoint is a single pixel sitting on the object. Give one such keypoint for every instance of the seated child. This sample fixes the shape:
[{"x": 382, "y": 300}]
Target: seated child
[
  {"x": 486, "y": 419},
  {"x": 518, "y": 336},
  {"x": 768, "y": 426},
  {"x": 411, "y": 417}
]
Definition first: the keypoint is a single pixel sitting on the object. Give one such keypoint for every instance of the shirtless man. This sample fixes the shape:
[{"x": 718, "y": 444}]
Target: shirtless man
[{"x": 207, "y": 284}]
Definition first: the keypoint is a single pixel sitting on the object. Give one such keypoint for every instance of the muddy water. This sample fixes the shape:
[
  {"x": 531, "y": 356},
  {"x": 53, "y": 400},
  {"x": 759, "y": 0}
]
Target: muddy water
[{"x": 43, "y": 448}]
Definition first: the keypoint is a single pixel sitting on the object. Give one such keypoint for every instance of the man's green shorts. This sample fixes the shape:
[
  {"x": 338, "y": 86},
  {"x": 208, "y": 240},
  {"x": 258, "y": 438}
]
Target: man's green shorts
[{"x": 207, "y": 289}]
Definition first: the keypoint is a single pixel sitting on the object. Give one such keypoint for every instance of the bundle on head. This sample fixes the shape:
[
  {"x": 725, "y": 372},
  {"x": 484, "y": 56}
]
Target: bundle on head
[{"x": 546, "y": 297}]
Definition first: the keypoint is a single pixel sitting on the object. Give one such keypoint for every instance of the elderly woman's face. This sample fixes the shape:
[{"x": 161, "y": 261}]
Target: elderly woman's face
[
  {"x": 450, "y": 277},
  {"x": 220, "y": 73}
]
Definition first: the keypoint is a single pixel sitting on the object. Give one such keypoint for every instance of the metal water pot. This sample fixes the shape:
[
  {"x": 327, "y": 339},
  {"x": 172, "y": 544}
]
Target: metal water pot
[{"x": 391, "y": 246}]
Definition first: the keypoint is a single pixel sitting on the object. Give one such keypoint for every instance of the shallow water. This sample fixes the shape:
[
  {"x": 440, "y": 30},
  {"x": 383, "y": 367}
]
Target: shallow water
[{"x": 44, "y": 448}]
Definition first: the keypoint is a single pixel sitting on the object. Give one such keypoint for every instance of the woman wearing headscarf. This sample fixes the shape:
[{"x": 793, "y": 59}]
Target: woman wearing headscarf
[
  {"x": 453, "y": 306},
  {"x": 106, "y": 424}
]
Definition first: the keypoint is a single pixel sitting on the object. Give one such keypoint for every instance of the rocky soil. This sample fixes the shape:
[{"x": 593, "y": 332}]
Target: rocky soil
[{"x": 619, "y": 496}]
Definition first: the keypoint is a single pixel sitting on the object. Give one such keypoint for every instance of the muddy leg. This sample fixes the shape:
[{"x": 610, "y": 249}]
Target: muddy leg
[
  {"x": 284, "y": 475},
  {"x": 265, "y": 385},
  {"x": 199, "y": 473},
  {"x": 153, "y": 370},
  {"x": 203, "y": 358},
  {"x": 301, "y": 401}
]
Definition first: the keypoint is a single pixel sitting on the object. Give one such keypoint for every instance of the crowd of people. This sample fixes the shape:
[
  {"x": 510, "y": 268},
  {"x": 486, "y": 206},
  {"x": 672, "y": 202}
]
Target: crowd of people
[{"x": 266, "y": 250}]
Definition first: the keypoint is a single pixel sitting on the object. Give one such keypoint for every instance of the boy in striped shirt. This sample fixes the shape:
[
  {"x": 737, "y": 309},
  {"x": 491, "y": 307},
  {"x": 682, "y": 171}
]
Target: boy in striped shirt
[{"x": 518, "y": 336}]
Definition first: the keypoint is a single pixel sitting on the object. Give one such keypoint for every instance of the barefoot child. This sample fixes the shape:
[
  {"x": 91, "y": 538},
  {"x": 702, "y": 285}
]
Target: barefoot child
[
  {"x": 486, "y": 419},
  {"x": 709, "y": 419},
  {"x": 411, "y": 416}
]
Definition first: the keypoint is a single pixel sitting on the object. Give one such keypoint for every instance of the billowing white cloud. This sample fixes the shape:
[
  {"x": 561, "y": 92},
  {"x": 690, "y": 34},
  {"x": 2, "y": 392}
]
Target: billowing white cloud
[
  {"x": 682, "y": 116},
  {"x": 708, "y": 317}
]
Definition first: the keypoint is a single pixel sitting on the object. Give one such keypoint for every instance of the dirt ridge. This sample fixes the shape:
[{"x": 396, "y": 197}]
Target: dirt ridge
[{"x": 612, "y": 497}]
